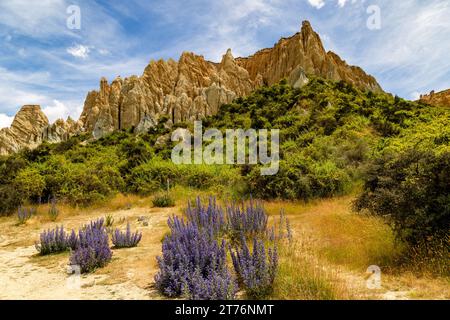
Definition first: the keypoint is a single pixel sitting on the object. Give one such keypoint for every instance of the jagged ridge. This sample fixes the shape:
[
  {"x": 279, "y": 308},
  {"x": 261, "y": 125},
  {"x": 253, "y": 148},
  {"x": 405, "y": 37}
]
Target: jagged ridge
[{"x": 193, "y": 88}]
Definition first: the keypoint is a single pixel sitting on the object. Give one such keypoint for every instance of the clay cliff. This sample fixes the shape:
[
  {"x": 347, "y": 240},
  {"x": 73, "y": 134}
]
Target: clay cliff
[
  {"x": 192, "y": 88},
  {"x": 31, "y": 127},
  {"x": 441, "y": 99},
  {"x": 25, "y": 130}
]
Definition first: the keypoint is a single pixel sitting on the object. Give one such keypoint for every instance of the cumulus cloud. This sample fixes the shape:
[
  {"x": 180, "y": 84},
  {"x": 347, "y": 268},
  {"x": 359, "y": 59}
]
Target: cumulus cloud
[
  {"x": 61, "y": 110},
  {"x": 317, "y": 3},
  {"x": 320, "y": 3},
  {"x": 79, "y": 51},
  {"x": 5, "y": 120}
]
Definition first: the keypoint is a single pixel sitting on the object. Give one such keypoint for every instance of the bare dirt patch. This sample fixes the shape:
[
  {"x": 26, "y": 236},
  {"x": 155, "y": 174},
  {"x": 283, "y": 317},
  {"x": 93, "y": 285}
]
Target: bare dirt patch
[{"x": 26, "y": 275}]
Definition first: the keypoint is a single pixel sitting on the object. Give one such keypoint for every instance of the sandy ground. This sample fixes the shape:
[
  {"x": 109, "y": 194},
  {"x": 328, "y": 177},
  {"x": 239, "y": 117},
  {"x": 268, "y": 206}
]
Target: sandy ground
[{"x": 26, "y": 275}]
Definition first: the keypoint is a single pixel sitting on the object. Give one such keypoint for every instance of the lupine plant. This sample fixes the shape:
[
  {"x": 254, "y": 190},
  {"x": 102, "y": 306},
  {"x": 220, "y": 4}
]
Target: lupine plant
[
  {"x": 210, "y": 217},
  {"x": 56, "y": 240},
  {"x": 248, "y": 220},
  {"x": 256, "y": 271},
  {"x": 24, "y": 214},
  {"x": 194, "y": 265},
  {"x": 217, "y": 285},
  {"x": 53, "y": 210},
  {"x": 93, "y": 249},
  {"x": 126, "y": 239},
  {"x": 188, "y": 254}
]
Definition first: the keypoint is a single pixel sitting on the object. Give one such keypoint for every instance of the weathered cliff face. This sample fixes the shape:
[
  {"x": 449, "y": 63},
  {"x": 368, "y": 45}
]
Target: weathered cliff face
[
  {"x": 61, "y": 130},
  {"x": 303, "y": 53},
  {"x": 31, "y": 127},
  {"x": 193, "y": 87},
  {"x": 441, "y": 99},
  {"x": 25, "y": 131},
  {"x": 187, "y": 90}
]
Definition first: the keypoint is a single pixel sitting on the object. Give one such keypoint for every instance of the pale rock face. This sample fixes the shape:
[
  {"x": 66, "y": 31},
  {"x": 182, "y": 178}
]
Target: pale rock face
[
  {"x": 441, "y": 99},
  {"x": 193, "y": 87},
  {"x": 25, "y": 130},
  {"x": 305, "y": 51},
  {"x": 61, "y": 130},
  {"x": 145, "y": 125},
  {"x": 190, "y": 89}
]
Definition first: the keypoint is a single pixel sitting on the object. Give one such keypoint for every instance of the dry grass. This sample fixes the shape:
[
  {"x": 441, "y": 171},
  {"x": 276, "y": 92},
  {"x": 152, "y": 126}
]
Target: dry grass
[
  {"x": 302, "y": 276},
  {"x": 342, "y": 236},
  {"x": 332, "y": 248}
]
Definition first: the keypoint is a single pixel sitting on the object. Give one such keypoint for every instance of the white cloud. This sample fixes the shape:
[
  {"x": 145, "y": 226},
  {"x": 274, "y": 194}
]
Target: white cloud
[
  {"x": 5, "y": 120},
  {"x": 415, "y": 95},
  {"x": 317, "y": 3},
  {"x": 320, "y": 3},
  {"x": 104, "y": 52},
  {"x": 341, "y": 3},
  {"x": 37, "y": 18},
  {"x": 79, "y": 51},
  {"x": 62, "y": 110}
]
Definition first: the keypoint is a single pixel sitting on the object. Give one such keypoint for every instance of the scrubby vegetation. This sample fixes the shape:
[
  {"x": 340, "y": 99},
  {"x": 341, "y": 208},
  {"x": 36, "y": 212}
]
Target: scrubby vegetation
[
  {"x": 334, "y": 139},
  {"x": 24, "y": 214},
  {"x": 163, "y": 201},
  {"x": 329, "y": 132},
  {"x": 57, "y": 240}
]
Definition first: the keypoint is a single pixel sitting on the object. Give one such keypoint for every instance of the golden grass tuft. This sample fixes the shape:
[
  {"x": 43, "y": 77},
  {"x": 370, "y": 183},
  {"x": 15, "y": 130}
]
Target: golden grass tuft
[{"x": 302, "y": 276}]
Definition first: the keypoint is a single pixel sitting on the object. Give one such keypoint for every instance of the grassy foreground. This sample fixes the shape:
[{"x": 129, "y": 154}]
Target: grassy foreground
[{"x": 331, "y": 250}]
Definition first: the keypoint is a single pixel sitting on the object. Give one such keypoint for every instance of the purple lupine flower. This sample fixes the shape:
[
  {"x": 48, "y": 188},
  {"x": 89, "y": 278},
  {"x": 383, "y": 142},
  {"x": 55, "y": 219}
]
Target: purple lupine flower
[
  {"x": 250, "y": 220},
  {"x": 24, "y": 214},
  {"x": 210, "y": 218},
  {"x": 55, "y": 241},
  {"x": 53, "y": 211},
  {"x": 93, "y": 249},
  {"x": 193, "y": 264},
  {"x": 126, "y": 239},
  {"x": 256, "y": 271}
]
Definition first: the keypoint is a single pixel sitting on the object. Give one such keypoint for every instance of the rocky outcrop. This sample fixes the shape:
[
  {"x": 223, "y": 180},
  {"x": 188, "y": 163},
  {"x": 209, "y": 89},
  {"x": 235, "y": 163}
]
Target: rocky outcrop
[
  {"x": 31, "y": 127},
  {"x": 25, "y": 130},
  {"x": 61, "y": 130},
  {"x": 190, "y": 88},
  {"x": 301, "y": 54},
  {"x": 193, "y": 87},
  {"x": 441, "y": 99}
]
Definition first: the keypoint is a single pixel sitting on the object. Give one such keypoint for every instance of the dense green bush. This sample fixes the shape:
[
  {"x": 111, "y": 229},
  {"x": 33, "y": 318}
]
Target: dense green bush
[
  {"x": 329, "y": 133},
  {"x": 163, "y": 201},
  {"x": 412, "y": 190},
  {"x": 153, "y": 175}
]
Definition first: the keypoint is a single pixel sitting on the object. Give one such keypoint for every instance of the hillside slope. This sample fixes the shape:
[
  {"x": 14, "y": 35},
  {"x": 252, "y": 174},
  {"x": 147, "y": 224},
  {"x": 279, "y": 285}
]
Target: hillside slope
[
  {"x": 192, "y": 88},
  {"x": 329, "y": 131}
]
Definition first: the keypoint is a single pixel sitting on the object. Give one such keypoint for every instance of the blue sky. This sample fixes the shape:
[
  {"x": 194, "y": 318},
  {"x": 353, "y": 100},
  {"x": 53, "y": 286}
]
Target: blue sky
[{"x": 44, "y": 62}]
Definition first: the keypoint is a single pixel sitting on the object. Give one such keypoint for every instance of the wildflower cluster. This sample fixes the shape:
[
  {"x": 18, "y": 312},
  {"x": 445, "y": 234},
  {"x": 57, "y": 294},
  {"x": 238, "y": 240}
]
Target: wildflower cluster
[
  {"x": 24, "y": 214},
  {"x": 255, "y": 271},
  {"x": 193, "y": 264},
  {"x": 93, "y": 249},
  {"x": 126, "y": 239},
  {"x": 56, "y": 240},
  {"x": 194, "y": 256}
]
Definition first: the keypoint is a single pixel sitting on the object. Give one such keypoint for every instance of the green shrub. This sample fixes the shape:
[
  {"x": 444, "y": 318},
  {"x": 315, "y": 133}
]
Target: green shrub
[
  {"x": 412, "y": 190},
  {"x": 10, "y": 200},
  {"x": 163, "y": 201},
  {"x": 30, "y": 183},
  {"x": 153, "y": 175}
]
